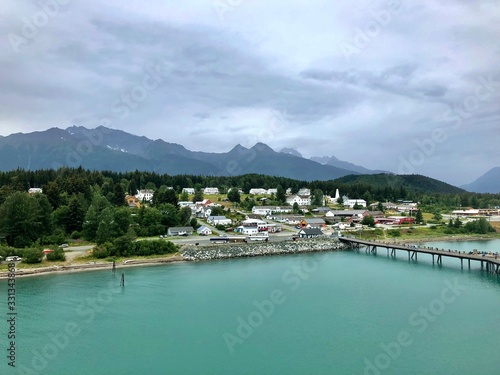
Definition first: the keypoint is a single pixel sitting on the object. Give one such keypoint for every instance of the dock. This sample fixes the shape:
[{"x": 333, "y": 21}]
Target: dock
[{"x": 489, "y": 262}]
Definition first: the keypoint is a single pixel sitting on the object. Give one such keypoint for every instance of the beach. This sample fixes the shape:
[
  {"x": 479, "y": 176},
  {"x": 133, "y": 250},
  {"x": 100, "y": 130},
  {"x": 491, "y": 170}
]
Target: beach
[{"x": 70, "y": 267}]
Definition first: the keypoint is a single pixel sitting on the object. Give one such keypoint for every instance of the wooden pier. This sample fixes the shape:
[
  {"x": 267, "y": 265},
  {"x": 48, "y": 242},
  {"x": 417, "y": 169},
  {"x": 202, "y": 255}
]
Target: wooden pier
[{"x": 491, "y": 263}]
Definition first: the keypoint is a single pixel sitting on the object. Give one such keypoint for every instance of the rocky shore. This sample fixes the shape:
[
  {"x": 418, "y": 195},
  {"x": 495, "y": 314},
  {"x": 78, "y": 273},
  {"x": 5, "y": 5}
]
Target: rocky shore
[{"x": 226, "y": 251}]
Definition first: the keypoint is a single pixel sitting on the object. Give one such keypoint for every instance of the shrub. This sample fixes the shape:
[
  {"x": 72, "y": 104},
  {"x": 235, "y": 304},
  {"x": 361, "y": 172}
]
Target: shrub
[
  {"x": 58, "y": 254},
  {"x": 76, "y": 235},
  {"x": 31, "y": 256},
  {"x": 101, "y": 251},
  {"x": 393, "y": 233},
  {"x": 57, "y": 238}
]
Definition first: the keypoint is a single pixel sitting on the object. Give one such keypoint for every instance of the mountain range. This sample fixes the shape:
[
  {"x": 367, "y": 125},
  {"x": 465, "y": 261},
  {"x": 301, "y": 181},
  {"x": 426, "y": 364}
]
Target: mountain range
[
  {"x": 115, "y": 150},
  {"x": 487, "y": 183},
  {"x": 103, "y": 148}
]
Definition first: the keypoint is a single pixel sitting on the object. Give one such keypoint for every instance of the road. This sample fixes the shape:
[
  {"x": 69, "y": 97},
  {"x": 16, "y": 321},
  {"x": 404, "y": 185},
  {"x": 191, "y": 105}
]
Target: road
[{"x": 73, "y": 252}]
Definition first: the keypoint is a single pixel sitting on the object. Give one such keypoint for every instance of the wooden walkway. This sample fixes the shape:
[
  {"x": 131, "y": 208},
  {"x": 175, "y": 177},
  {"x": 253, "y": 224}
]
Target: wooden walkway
[{"x": 491, "y": 263}]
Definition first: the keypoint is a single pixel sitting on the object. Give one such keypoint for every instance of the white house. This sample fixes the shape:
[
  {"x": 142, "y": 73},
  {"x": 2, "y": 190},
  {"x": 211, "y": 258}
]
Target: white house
[
  {"x": 465, "y": 212},
  {"x": 247, "y": 230},
  {"x": 211, "y": 190},
  {"x": 204, "y": 231},
  {"x": 216, "y": 220},
  {"x": 272, "y": 191},
  {"x": 179, "y": 231},
  {"x": 301, "y": 200},
  {"x": 304, "y": 191},
  {"x": 353, "y": 202},
  {"x": 267, "y": 210},
  {"x": 257, "y": 191},
  {"x": 188, "y": 190},
  {"x": 346, "y": 213},
  {"x": 35, "y": 191},
  {"x": 145, "y": 195}
]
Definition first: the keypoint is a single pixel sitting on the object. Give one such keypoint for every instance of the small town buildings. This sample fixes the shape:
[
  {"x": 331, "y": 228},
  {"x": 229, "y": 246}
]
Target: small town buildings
[
  {"x": 398, "y": 220},
  {"x": 203, "y": 211},
  {"x": 346, "y": 214},
  {"x": 33, "y": 191},
  {"x": 336, "y": 197},
  {"x": 301, "y": 200},
  {"x": 211, "y": 191},
  {"x": 179, "y": 231},
  {"x": 354, "y": 202},
  {"x": 190, "y": 191},
  {"x": 186, "y": 204},
  {"x": 468, "y": 212},
  {"x": 257, "y": 191},
  {"x": 291, "y": 219},
  {"x": 145, "y": 195},
  {"x": 252, "y": 226},
  {"x": 310, "y": 233},
  {"x": 132, "y": 201},
  {"x": 247, "y": 230},
  {"x": 313, "y": 222},
  {"x": 204, "y": 231},
  {"x": 261, "y": 191},
  {"x": 219, "y": 220},
  {"x": 204, "y": 203},
  {"x": 374, "y": 214},
  {"x": 400, "y": 207},
  {"x": 304, "y": 191},
  {"x": 322, "y": 210},
  {"x": 268, "y": 210}
]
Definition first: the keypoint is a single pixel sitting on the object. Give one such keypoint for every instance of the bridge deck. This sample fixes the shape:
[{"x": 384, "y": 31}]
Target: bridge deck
[{"x": 489, "y": 259}]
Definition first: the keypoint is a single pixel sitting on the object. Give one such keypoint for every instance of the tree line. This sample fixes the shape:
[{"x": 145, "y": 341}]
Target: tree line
[{"x": 85, "y": 204}]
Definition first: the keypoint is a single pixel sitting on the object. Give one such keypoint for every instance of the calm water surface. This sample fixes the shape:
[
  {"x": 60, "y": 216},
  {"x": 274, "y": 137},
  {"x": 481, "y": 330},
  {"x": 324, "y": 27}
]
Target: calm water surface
[{"x": 329, "y": 313}]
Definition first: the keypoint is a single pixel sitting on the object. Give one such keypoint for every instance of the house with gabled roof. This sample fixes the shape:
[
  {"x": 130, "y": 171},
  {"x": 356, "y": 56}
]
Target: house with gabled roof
[{"x": 310, "y": 233}]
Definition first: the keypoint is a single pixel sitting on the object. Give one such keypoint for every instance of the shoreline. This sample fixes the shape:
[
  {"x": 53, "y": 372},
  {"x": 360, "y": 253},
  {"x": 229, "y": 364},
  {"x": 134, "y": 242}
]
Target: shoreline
[
  {"x": 86, "y": 267},
  {"x": 136, "y": 262}
]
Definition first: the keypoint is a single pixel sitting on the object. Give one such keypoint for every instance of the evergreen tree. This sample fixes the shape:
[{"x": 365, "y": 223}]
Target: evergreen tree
[
  {"x": 52, "y": 191},
  {"x": 185, "y": 215},
  {"x": 118, "y": 196},
  {"x": 317, "y": 198},
  {"x": 419, "y": 217},
  {"x": 234, "y": 195},
  {"x": 184, "y": 196},
  {"x": 280, "y": 194},
  {"x": 132, "y": 188},
  {"x": 21, "y": 220},
  {"x": 368, "y": 220},
  {"x": 198, "y": 196},
  {"x": 76, "y": 215}
]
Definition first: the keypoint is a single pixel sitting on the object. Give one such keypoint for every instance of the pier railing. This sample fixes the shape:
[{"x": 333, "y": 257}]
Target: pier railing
[{"x": 489, "y": 261}]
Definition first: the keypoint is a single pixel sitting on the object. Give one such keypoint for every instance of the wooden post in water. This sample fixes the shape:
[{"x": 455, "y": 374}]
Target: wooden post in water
[
  {"x": 122, "y": 281},
  {"x": 114, "y": 267}
]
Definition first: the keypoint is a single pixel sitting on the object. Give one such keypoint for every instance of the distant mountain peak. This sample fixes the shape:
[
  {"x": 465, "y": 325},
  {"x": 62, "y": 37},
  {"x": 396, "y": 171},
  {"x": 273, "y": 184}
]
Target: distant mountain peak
[
  {"x": 333, "y": 161},
  {"x": 262, "y": 148},
  {"x": 487, "y": 183},
  {"x": 238, "y": 148},
  {"x": 291, "y": 151}
]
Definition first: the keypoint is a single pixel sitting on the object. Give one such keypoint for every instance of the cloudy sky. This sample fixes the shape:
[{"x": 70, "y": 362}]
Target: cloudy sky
[{"x": 404, "y": 86}]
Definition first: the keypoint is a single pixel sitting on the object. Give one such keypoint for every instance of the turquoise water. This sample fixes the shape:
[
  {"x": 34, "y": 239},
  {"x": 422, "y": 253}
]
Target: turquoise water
[{"x": 323, "y": 313}]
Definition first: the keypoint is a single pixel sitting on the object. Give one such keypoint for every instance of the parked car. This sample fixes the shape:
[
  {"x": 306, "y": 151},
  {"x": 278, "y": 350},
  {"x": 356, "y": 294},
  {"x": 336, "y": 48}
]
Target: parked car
[
  {"x": 13, "y": 259},
  {"x": 64, "y": 245}
]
